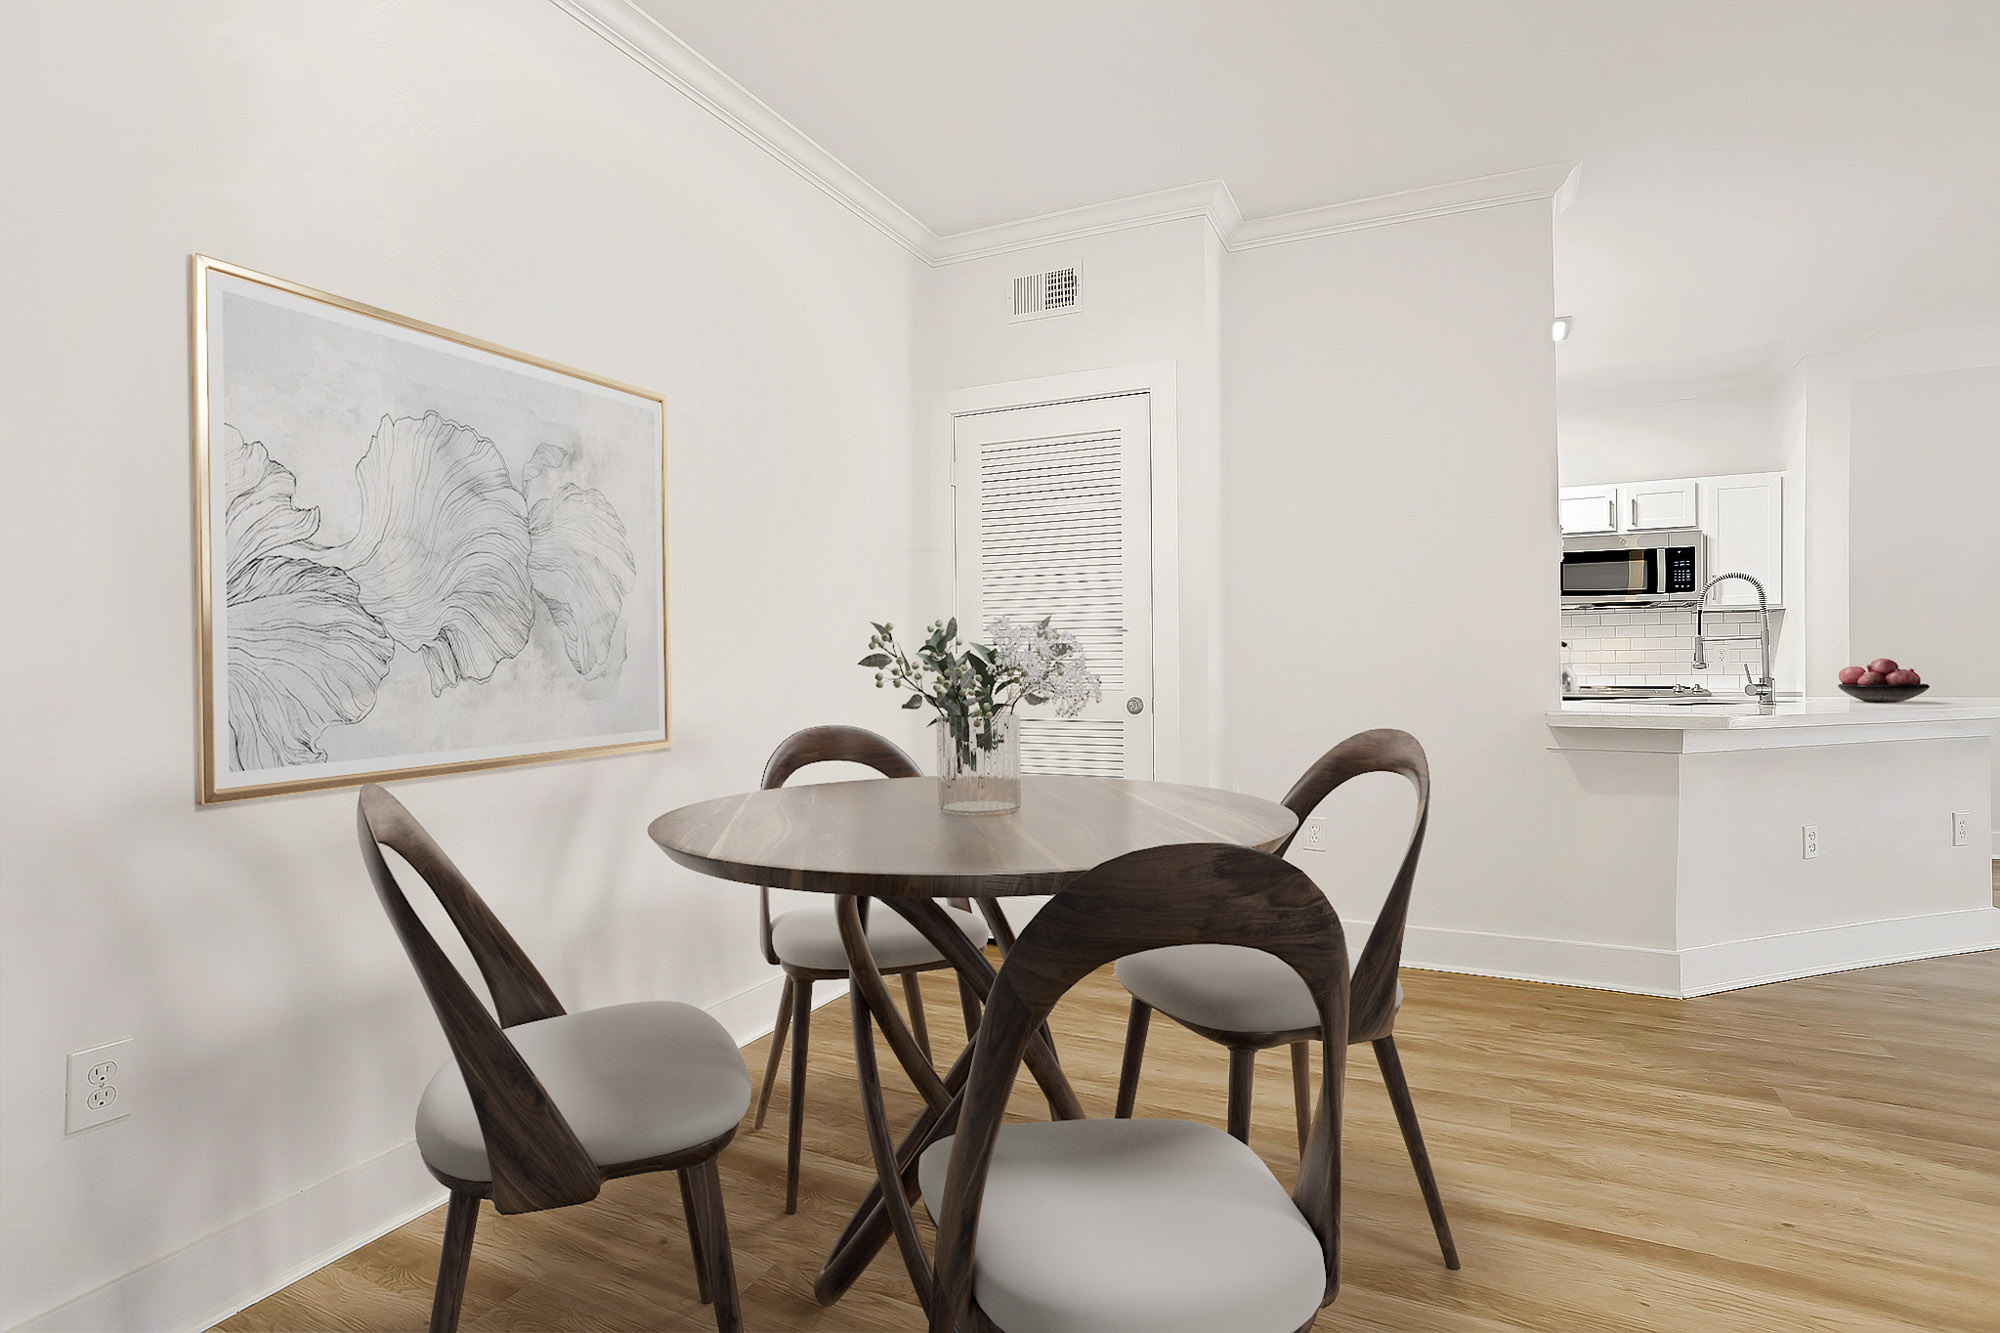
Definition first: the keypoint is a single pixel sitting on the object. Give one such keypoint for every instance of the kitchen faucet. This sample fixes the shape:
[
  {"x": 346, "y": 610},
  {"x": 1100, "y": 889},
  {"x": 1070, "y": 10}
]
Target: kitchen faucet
[{"x": 1764, "y": 688}]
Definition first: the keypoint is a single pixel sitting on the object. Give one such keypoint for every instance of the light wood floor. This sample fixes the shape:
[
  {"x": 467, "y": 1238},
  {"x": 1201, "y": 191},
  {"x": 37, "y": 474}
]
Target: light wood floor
[{"x": 1820, "y": 1154}]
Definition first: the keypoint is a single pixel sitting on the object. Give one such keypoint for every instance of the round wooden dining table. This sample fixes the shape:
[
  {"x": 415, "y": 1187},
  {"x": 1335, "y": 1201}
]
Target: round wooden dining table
[{"x": 887, "y": 839}]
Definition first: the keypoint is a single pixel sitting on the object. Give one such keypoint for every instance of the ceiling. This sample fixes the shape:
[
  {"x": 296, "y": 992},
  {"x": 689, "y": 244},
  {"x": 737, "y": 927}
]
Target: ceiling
[{"x": 1756, "y": 173}]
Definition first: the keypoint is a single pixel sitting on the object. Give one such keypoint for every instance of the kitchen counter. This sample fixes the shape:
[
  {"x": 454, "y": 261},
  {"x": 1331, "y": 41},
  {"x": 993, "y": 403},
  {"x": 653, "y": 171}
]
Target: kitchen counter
[
  {"x": 1823, "y": 834},
  {"x": 1731, "y": 715},
  {"x": 1693, "y": 728}
]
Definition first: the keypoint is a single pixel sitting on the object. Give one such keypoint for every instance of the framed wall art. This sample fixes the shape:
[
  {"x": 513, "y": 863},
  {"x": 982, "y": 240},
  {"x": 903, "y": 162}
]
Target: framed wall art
[{"x": 416, "y": 552}]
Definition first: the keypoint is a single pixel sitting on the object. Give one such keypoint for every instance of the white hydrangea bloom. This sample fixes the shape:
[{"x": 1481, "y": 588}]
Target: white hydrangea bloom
[{"x": 1049, "y": 664}]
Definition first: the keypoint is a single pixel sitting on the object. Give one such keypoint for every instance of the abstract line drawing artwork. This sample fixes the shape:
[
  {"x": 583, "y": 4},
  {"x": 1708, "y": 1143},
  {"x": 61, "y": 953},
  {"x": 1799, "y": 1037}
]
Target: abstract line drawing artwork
[{"x": 417, "y": 552}]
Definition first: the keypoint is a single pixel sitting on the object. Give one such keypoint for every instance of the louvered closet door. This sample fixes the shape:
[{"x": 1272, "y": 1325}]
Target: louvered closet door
[{"x": 1053, "y": 516}]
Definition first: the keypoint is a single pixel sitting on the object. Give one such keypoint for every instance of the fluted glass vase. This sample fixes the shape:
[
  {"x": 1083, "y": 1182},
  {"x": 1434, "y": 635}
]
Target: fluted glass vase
[{"x": 979, "y": 766}]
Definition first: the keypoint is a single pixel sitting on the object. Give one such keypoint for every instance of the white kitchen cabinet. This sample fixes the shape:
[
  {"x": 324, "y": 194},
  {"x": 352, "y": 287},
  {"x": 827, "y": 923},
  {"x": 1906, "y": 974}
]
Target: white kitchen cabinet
[
  {"x": 1648, "y": 506},
  {"x": 1743, "y": 520},
  {"x": 1587, "y": 509}
]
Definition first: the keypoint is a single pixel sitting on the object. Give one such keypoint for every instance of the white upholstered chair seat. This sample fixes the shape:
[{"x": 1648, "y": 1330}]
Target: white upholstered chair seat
[
  {"x": 633, "y": 1080},
  {"x": 1222, "y": 987},
  {"x": 1135, "y": 1226},
  {"x": 810, "y": 938}
]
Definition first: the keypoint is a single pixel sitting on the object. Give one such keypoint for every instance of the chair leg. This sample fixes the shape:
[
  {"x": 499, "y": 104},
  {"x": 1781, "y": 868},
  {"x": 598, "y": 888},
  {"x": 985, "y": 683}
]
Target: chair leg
[
  {"x": 1302, "y": 1089},
  {"x": 777, "y": 1052},
  {"x": 795, "y": 1127},
  {"x": 1242, "y": 1082},
  {"x": 692, "y": 1212},
  {"x": 968, "y": 1004},
  {"x": 706, "y": 1182},
  {"x": 460, "y": 1218},
  {"x": 913, "y": 1000},
  {"x": 1135, "y": 1052},
  {"x": 1413, "y": 1139}
]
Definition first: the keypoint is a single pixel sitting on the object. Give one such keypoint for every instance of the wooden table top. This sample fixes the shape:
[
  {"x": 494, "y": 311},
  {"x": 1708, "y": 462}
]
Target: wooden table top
[{"x": 887, "y": 838}]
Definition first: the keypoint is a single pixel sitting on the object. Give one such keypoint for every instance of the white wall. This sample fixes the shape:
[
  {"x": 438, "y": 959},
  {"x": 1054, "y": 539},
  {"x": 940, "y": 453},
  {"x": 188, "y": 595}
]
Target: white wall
[
  {"x": 1600, "y": 442},
  {"x": 1924, "y": 515},
  {"x": 1149, "y": 294},
  {"x": 1815, "y": 404},
  {"x": 1388, "y": 407},
  {"x": 494, "y": 168}
]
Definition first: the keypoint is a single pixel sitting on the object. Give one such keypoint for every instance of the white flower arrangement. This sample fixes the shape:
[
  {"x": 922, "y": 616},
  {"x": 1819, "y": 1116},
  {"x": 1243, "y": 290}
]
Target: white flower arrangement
[{"x": 973, "y": 684}]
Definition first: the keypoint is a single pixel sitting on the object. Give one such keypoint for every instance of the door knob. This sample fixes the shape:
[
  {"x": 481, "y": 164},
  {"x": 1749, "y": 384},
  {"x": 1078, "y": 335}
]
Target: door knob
[{"x": 1135, "y": 705}]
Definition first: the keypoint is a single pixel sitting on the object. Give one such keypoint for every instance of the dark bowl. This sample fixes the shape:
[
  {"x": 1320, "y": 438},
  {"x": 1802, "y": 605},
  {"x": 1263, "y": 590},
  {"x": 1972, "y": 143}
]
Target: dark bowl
[{"x": 1883, "y": 694}]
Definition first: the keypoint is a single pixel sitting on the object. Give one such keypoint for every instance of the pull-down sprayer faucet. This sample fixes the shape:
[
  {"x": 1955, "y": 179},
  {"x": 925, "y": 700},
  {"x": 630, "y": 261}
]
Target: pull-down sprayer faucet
[{"x": 1764, "y": 688}]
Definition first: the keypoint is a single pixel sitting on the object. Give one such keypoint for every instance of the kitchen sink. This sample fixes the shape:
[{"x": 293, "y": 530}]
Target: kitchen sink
[{"x": 1678, "y": 696}]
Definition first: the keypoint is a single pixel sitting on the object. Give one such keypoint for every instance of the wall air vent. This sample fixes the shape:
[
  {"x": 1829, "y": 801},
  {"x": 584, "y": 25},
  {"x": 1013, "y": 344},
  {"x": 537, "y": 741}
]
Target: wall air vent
[{"x": 1040, "y": 295}]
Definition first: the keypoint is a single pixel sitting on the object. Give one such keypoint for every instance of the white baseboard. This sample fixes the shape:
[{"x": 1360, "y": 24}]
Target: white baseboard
[
  {"x": 1618, "y": 967},
  {"x": 318, "y": 1225},
  {"x": 1809, "y": 953},
  {"x": 1698, "y": 971},
  {"x": 312, "y": 1228}
]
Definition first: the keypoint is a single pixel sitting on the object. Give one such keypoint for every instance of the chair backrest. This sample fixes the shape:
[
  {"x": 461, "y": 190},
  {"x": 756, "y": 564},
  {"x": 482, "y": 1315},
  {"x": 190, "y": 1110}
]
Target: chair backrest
[
  {"x": 1373, "y": 1008},
  {"x": 534, "y": 1156},
  {"x": 819, "y": 745},
  {"x": 1197, "y": 893}
]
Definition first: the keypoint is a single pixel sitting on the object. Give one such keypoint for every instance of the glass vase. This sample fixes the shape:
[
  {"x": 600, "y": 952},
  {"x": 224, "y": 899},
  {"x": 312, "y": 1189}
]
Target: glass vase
[{"x": 979, "y": 766}]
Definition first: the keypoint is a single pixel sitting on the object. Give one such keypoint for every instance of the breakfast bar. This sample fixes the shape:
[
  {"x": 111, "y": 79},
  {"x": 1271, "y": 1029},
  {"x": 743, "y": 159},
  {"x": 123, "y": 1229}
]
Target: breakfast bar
[{"x": 1811, "y": 836}]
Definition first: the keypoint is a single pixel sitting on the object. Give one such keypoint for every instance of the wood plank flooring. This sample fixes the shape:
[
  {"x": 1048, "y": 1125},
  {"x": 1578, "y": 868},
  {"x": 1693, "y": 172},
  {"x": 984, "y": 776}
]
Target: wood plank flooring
[{"x": 1820, "y": 1154}]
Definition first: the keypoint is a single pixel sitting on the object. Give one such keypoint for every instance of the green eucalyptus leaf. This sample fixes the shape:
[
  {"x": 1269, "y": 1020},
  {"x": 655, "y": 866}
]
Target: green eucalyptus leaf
[
  {"x": 876, "y": 660},
  {"x": 914, "y": 701}
]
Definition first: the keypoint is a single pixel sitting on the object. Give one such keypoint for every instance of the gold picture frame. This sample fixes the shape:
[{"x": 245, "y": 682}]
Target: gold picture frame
[{"x": 524, "y": 598}]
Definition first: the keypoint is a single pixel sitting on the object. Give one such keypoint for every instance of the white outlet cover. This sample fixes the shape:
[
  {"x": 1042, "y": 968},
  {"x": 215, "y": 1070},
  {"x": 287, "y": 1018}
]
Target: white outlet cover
[
  {"x": 100, "y": 1086},
  {"x": 1961, "y": 828},
  {"x": 1315, "y": 834},
  {"x": 1809, "y": 841}
]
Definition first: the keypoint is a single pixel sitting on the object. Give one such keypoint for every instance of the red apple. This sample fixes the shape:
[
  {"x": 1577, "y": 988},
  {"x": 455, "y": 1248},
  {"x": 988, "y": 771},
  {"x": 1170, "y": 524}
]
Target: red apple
[
  {"x": 1852, "y": 675},
  {"x": 1900, "y": 678},
  {"x": 1871, "y": 678},
  {"x": 1882, "y": 666}
]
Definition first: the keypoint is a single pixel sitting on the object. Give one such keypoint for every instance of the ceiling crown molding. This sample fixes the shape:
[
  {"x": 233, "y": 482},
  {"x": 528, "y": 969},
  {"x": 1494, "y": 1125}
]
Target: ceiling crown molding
[
  {"x": 1385, "y": 210},
  {"x": 1203, "y": 199},
  {"x": 641, "y": 37}
]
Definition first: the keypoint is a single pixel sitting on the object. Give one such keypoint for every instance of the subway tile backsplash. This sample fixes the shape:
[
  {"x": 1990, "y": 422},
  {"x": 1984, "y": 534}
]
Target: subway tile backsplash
[{"x": 1644, "y": 647}]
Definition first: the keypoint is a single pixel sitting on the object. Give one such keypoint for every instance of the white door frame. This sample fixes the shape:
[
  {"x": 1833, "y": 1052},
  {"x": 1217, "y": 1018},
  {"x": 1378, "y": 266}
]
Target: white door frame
[{"x": 1159, "y": 381}]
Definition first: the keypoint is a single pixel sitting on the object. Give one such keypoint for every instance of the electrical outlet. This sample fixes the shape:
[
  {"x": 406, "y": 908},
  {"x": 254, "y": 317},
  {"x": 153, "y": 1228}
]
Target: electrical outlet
[
  {"x": 99, "y": 1086},
  {"x": 1809, "y": 840},
  {"x": 1314, "y": 837},
  {"x": 1961, "y": 827}
]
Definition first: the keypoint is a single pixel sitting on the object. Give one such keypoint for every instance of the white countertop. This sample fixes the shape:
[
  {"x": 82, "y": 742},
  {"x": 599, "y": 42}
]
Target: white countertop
[{"x": 1839, "y": 710}]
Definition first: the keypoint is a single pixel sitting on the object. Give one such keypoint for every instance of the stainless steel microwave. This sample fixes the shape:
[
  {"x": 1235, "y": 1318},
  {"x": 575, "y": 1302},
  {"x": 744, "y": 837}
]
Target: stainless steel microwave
[{"x": 1632, "y": 567}]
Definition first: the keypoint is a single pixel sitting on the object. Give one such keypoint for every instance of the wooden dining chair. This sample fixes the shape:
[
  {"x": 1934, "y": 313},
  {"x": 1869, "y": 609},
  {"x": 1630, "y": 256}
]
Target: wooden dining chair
[
  {"x": 539, "y": 1107},
  {"x": 806, "y": 942},
  {"x": 1140, "y": 1226},
  {"x": 1240, "y": 999}
]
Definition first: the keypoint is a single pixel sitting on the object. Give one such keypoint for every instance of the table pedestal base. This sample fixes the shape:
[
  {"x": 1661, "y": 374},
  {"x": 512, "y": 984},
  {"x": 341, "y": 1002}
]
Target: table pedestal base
[{"x": 886, "y": 1210}]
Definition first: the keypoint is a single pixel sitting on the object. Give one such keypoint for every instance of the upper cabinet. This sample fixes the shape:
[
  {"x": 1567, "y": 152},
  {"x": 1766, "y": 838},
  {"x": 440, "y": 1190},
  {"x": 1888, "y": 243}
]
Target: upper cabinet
[
  {"x": 1644, "y": 506},
  {"x": 1588, "y": 509},
  {"x": 1743, "y": 518},
  {"x": 1648, "y": 506}
]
